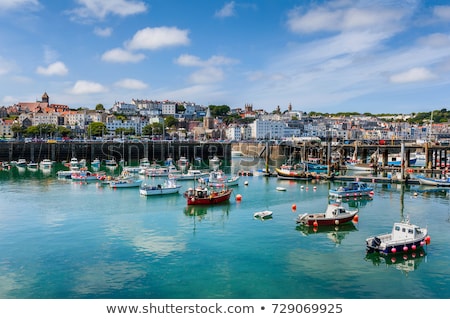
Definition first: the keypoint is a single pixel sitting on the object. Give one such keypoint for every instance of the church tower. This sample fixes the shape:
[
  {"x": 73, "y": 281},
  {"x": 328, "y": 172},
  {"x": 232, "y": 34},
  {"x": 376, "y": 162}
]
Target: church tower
[
  {"x": 45, "y": 98},
  {"x": 208, "y": 120}
]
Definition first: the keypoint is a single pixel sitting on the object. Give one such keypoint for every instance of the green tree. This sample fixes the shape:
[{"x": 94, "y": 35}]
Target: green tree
[
  {"x": 170, "y": 121},
  {"x": 219, "y": 110},
  {"x": 17, "y": 129},
  {"x": 96, "y": 129},
  {"x": 99, "y": 107}
]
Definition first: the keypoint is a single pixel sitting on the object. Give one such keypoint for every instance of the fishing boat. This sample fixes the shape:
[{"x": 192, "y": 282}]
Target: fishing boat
[
  {"x": 281, "y": 189},
  {"x": 168, "y": 187},
  {"x": 125, "y": 183},
  {"x": 293, "y": 172},
  {"x": 313, "y": 164},
  {"x": 335, "y": 214},
  {"x": 86, "y": 175},
  {"x": 265, "y": 214},
  {"x": 396, "y": 160},
  {"x": 21, "y": 162},
  {"x": 404, "y": 237},
  {"x": 352, "y": 189},
  {"x": 218, "y": 177},
  {"x": 183, "y": 163},
  {"x": 73, "y": 163},
  {"x": 201, "y": 195},
  {"x": 190, "y": 175},
  {"x": 111, "y": 164},
  {"x": 214, "y": 162},
  {"x": 46, "y": 164},
  {"x": 95, "y": 164},
  {"x": 444, "y": 181},
  {"x": 32, "y": 166}
]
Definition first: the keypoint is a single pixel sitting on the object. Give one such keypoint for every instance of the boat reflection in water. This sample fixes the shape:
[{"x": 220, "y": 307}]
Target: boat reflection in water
[
  {"x": 335, "y": 233},
  {"x": 357, "y": 202},
  {"x": 200, "y": 212},
  {"x": 406, "y": 262}
]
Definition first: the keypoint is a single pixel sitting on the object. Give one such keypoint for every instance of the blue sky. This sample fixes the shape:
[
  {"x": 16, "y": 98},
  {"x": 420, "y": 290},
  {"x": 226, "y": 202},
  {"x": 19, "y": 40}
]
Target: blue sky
[{"x": 327, "y": 56}]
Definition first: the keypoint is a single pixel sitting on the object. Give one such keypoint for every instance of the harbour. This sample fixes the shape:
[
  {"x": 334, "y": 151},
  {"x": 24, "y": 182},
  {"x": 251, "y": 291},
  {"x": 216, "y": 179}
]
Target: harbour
[{"x": 84, "y": 240}]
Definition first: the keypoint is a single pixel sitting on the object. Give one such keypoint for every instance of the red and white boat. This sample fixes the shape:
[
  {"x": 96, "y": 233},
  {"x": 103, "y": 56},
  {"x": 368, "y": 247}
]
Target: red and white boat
[
  {"x": 202, "y": 195},
  {"x": 334, "y": 215}
]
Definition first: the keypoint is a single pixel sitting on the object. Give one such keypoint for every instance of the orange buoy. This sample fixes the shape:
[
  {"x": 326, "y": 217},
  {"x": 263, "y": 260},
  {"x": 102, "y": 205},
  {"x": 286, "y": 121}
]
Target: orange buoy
[
  {"x": 294, "y": 207},
  {"x": 238, "y": 197},
  {"x": 315, "y": 224},
  {"x": 356, "y": 218},
  {"x": 427, "y": 240}
]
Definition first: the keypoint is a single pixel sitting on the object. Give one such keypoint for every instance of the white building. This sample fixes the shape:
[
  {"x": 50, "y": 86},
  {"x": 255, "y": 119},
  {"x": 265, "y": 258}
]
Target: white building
[
  {"x": 262, "y": 129},
  {"x": 124, "y": 108},
  {"x": 233, "y": 132}
]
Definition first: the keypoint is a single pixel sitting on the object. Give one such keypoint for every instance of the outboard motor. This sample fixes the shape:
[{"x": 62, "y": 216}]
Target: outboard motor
[{"x": 376, "y": 242}]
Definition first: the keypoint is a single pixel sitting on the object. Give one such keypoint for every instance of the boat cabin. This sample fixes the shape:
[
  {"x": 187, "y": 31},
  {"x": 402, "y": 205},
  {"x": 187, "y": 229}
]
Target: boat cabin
[
  {"x": 334, "y": 210},
  {"x": 403, "y": 231}
]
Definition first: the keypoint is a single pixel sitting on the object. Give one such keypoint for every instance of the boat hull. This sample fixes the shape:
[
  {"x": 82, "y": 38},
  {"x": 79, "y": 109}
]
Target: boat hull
[
  {"x": 125, "y": 184},
  {"x": 314, "y": 220},
  {"x": 160, "y": 191},
  {"x": 222, "y": 196},
  {"x": 396, "y": 248},
  {"x": 292, "y": 175},
  {"x": 433, "y": 182}
]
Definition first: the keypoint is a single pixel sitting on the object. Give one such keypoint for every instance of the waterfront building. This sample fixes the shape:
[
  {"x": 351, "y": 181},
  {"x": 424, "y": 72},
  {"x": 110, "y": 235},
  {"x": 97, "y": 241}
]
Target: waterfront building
[
  {"x": 5, "y": 128},
  {"x": 267, "y": 129}
]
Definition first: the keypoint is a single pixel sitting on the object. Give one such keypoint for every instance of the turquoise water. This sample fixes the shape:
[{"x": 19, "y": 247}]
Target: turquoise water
[{"x": 63, "y": 239}]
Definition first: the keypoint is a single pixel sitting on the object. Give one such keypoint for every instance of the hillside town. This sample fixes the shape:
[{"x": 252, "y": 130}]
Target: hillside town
[{"x": 188, "y": 121}]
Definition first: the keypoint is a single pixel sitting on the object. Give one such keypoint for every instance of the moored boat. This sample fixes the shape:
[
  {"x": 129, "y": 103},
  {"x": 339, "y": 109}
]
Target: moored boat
[
  {"x": 293, "y": 172},
  {"x": 438, "y": 182},
  {"x": 335, "y": 214},
  {"x": 86, "y": 176},
  {"x": 201, "y": 195},
  {"x": 46, "y": 164},
  {"x": 404, "y": 237},
  {"x": 191, "y": 174},
  {"x": 352, "y": 189},
  {"x": 219, "y": 178},
  {"x": 265, "y": 214},
  {"x": 168, "y": 187},
  {"x": 125, "y": 183}
]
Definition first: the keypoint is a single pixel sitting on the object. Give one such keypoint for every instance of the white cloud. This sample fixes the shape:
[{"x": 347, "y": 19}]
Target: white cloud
[
  {"x": 191, "y": 60},
  {"x": 435, "y": 40},
  {"x": 101, "y": 8},
  {"x": 119, "y": 55},
  {"x": 330, "y": 19},
  {"x": 57, "y": 68},
  {"x": 87, "y": 87},
  {"x": 156, "y": 38},
  {"x": 412, "y": 75},
  {"x": 8, "y": 100},
  {"x": 5, "y": 66},
  {"x": 442, "y": 12},
  {"x": 16, "y": 4},
  {"x": 207, "y": 75},
  {"x": 103, "y": 32},
  {"x": 132, "y": 84},
  {"x": 226, "y": 11}
]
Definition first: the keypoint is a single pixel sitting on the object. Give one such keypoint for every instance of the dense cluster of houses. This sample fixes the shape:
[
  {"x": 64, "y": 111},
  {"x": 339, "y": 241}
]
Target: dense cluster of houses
[{"x": 195, "y": 122}]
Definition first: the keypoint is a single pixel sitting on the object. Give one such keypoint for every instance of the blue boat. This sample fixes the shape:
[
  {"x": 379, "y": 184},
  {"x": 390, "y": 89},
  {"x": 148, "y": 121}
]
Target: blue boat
[{"x": 352, "y": 189}]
